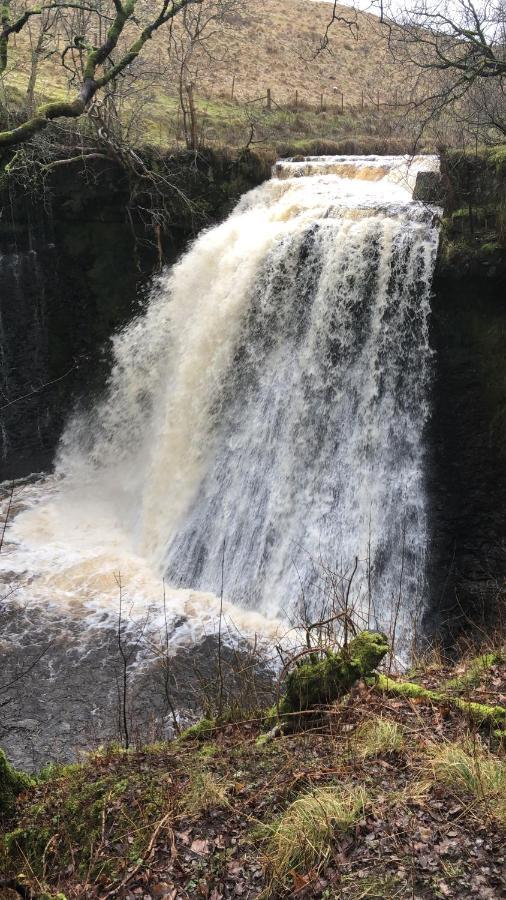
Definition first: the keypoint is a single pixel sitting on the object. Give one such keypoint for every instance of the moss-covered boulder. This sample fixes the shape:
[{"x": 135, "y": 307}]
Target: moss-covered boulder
[
  {"x": 12, "y": 783},
  {"x": 318, "y": 680}
]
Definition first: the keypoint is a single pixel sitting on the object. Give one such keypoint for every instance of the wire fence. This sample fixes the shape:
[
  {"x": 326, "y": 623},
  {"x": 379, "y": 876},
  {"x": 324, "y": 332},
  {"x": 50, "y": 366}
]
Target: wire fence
[{"x": 334, "y": 100}]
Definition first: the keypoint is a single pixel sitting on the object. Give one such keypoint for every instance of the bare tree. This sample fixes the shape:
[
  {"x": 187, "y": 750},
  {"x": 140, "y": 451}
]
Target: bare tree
[
  {"x": 95, "y": 54},
  {"x": 41, "y": 33},
  {"x": 192, "y": 51},
  {"x": 455, "y": 51}
]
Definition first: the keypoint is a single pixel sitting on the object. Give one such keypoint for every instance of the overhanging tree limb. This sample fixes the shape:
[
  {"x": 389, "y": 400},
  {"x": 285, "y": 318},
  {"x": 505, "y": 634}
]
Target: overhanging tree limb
[{"x": 95, "y": 59}]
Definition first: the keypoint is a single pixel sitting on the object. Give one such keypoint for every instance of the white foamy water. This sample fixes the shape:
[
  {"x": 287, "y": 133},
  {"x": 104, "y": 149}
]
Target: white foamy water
[{"x": 263, "y": 420}]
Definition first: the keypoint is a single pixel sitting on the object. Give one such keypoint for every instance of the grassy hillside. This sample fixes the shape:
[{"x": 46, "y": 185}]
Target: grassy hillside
[
  {"x": 353, "y": 87},
  {"x": 274, "y": 44}
]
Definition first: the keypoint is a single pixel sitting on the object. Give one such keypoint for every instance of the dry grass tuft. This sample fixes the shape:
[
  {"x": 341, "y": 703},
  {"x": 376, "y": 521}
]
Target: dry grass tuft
[
  {"x": 204, "y": 791},
  {"x": 302, "y": 838},
  {"x": 469, "y": 768},
  {"x": 372, "y": 887},
  {"x": 378, "y": 736}
]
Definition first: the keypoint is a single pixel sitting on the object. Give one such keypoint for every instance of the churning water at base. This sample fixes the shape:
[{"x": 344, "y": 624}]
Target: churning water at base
[{"x": 263, "y": 424}]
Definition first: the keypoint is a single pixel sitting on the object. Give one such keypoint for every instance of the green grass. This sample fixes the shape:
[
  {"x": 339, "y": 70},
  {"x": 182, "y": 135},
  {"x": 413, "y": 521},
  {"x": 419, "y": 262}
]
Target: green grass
[
  {"x": 470, "y": 769},
  {"x": 373, "y": 887},
  {"x": 378, "y": 736},
  {"x": 302, "y": 838},
  {"x": 480, "y": 665},
  {"x": 222, "y": 122},
  {"x": 204, "y": 791}
]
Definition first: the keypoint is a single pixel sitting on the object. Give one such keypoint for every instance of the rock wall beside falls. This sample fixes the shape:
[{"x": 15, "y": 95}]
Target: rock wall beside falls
[
  {"x": 75, "y": 257},
  {"x": 467, "y": 430},
  {"x": 467, "y": 451}
]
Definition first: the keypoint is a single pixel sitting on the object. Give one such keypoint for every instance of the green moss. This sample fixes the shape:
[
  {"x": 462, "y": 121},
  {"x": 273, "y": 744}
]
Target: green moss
[
  {"x": 208, "y": 750},
  {"x": 200, "y": 731},
  {"x": 480, "y": 713},
  {"x": 367, "y": 649},
  {"x": 270, "y": 717},
  {"x": 497, "y": 157},
  {"x": 12, "y": 783},
  {"x": 408, "y": 689},
  {"x": 317, "y": 681},
  {"x": 74, "y": 808}
]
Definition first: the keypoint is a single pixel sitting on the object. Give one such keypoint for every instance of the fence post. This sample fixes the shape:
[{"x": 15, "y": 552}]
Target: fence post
[
  {"x": 269, "y": 99},
  {"x": 233, "y": 86},
  {"x": 378, "y": 99},
  {"x": 296, "y": 99},
  {"x": 321, "y": 102}
]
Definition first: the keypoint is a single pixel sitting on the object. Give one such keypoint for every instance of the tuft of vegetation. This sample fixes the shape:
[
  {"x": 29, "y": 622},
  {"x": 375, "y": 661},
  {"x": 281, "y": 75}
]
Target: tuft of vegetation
[
  {"x": 12, "y": 783},
  {"x": 378, "y": 736},
  {"x": 302, "y": 838},
  {"x": 201, "y": 731},
  {"x": 476, "y": 668},
  {"x": 204, "y": 791},
  {"x": 468, "y": 767},
  {"x": 373, "y": 887},
  {"x": 76, "y": 810}
]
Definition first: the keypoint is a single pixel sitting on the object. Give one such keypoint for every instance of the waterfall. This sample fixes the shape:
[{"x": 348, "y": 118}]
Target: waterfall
[{"x": 263, "y": 424}]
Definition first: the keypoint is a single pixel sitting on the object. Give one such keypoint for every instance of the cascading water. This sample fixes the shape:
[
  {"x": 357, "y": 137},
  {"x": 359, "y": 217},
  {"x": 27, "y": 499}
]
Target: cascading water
[{"x": 264, "y": 418}]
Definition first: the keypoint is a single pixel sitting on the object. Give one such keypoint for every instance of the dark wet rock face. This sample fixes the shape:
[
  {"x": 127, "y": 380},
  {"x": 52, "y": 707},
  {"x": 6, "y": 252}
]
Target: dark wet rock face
[
  {"x": 467, "y": 456},
  {"x": 67, "y": 281},
  {"x": 61, "y": 685},
  {"x": 429, "y": 188},
  {"x": 76, "y": 261}
]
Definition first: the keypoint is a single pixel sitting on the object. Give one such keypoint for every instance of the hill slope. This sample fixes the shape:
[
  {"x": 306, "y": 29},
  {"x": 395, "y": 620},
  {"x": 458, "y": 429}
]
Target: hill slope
[
  {"x": 273, "y": 45},
  {"x": 392, "y": 795}
]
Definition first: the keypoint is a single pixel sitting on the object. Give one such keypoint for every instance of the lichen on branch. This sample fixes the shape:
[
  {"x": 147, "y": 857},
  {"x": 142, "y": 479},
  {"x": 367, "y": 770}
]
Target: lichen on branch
[{"x": 480, "y": 713}]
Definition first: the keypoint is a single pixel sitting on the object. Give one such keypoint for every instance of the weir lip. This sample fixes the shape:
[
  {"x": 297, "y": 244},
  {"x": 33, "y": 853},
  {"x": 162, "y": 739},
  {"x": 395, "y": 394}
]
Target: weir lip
[{"x": 403, "y": 170}]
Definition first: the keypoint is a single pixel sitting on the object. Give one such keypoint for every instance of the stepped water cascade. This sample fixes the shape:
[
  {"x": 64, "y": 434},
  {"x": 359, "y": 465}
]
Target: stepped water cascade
[{"x": 264, "y": 420}]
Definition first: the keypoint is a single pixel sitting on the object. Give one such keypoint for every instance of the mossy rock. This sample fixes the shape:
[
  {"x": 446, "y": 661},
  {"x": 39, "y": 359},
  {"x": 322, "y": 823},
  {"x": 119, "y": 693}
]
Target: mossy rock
[
  {"x": 12, "y": 783},
  {"x": 317, "y": 681},
  {"x": 201, "y": 731}
]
